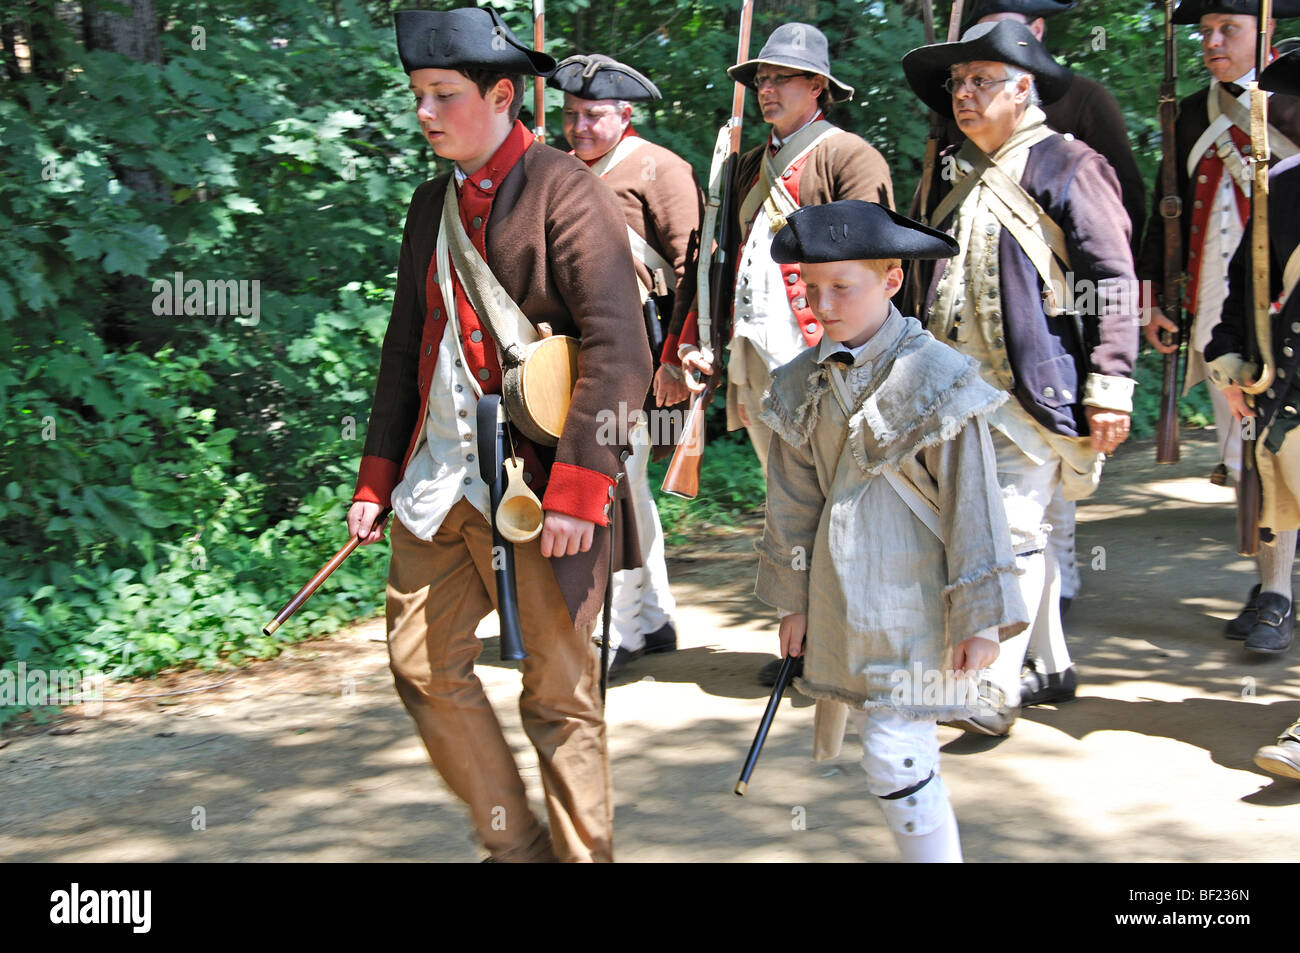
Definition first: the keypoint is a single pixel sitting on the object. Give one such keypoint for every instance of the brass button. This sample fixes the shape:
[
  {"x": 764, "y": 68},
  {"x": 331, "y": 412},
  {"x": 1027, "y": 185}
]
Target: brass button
[
  {"x": 791, "y": 279},
  {"x": 476, "y": 336},
  {"x": 485, "y": 184},
  {"x": 799, "y": 304},
  {"x": 478, "y": 221},
  {"x": 1287, "y": 352},
  {"x": 1049, "y": 392},
  {"x": 810, "y": 328},
  {"x": 484, "y": 373}
]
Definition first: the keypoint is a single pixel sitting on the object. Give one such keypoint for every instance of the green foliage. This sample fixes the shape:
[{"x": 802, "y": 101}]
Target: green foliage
[
  {"x": 1194, "y": 409},
  {"x": 731, "y": 490},
  {"x": 171, "y": 478}
]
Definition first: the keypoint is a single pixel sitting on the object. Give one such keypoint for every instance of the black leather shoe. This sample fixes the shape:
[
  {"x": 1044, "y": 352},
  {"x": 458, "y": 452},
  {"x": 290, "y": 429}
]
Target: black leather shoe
[
  {"x": 1274, "y": 625},
  {"x": 1040, "y": 688},
  {"x": 1240, "y": 627},
  {"x": 662, "y": 639},
  {"x": 1282, "y": 758},
  {"x": 768, "y": 673},
  {"x": 622, "y": 659}
]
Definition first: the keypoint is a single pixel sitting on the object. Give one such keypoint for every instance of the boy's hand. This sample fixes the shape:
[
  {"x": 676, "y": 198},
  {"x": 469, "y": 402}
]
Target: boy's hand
[
  {"x": 564, "y": 535},
  {"x": 973, "y": 655},
  {"x": 793, "y": 629},
  {"x": 361, "y": 522}
]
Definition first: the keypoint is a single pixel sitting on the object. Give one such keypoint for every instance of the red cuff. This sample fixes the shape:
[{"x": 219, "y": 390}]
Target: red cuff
[
  {"x": 579, "y": 492},
  {"x": 376, "y": 481},
  {"x": 669, "y": 355},
  {"x": 690, "y": 333}
]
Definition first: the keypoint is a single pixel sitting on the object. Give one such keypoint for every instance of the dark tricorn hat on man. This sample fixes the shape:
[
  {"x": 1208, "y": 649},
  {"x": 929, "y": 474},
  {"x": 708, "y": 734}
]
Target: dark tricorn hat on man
[
  {"x": 798, "y": 46},
  {"x": 1191, "y": 11},
  {"x": 596, "y": 76},
  {"x": 1030, "y": 9},
  {"x": 1282, "y": 75},
  {"x": 851, "y": 230},
  {"x": 465, "y": 38},
  {"x": 1006, "y": 41}
]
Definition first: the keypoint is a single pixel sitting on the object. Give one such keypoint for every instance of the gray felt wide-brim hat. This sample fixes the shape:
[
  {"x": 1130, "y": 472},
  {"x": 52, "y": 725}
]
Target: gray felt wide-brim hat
[
  {"x": 798, "y": 46},
  {"x": 927, "y": 68}
]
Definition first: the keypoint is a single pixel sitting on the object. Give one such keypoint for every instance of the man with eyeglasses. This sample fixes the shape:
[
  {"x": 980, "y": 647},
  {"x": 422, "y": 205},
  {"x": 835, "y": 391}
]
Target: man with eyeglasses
[
  {"x": 1090, "y": 112},
  {"x": 806, "y": 160},
  {"x": 1212, "y": 134},
  {"x": 1041, "y": 294},
  {"x": 660, "y": 199}
]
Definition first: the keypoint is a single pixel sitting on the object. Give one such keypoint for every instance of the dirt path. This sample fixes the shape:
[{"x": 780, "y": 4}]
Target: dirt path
[{"x": 311, "y": 756}]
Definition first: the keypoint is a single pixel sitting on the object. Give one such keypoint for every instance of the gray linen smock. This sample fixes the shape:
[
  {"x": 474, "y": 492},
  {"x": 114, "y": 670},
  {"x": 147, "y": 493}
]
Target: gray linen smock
[{"x": 883, "y": 594}]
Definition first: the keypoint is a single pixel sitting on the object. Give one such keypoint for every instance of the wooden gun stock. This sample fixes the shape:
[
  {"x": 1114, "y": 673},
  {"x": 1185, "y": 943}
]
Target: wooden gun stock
[
  {"x": 683, "y": 475},
  {"x": 1167, "y": 425},
  {"x": 306, "y": 592}
]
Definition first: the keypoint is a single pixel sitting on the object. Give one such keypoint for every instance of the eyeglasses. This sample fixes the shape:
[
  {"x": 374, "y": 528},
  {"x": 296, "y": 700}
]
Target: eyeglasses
[
  {"x": 775, "y": 80},
  {"x": 978, "y": 84}
]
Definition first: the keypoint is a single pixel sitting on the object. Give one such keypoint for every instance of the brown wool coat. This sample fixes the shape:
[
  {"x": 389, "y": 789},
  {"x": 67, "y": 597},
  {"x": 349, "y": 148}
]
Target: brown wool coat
[
  {"x": 845, "y": 166},
  {"x": 557, "y": 243},
  {"x": 661, "y": 201}
]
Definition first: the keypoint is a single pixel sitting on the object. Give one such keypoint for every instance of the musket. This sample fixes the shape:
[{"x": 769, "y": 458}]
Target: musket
[
  {"x": 921, "y": 200},
  {"x": 1171, "y": 210},
  {"x": 782, "y": 681},
  {"x": 539, "y": 83},
  {"x": 492, "y": 453},
  {"x": 715, "y": 284},
  {"x": 314, "y": 583},
  {"x": 1259, "y": 346}
]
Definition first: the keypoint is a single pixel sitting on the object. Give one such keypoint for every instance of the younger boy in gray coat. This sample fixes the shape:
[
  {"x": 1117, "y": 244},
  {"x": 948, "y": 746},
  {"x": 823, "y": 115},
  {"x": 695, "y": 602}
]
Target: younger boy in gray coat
[{"x": 886, "y": 545}]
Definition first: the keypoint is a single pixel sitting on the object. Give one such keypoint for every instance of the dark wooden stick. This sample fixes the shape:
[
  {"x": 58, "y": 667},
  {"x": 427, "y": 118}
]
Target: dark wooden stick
[{"x": 305, "y": 593}]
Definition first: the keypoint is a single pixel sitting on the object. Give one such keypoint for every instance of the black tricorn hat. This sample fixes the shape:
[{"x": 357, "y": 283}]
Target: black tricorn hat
[
  {"x": 596, "y": 76},
  {"x": 1191, "y": 11},
  {"x": 1282, "y": 75},
  {"x": 1006, "y": 41},
  {"x": 798, "y": 46},
  {"x": 852, "y": 230},
  {"x": 1030, "y": 9},
  {"x": 465, "y": 38}
]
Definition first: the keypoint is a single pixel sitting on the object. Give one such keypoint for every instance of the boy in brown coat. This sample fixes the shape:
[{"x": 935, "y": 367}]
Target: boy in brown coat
[{"x": 545, "y": 228}]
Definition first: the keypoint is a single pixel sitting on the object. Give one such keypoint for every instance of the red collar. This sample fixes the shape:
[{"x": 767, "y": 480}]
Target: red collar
[{"x": 503, "y": 160}]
